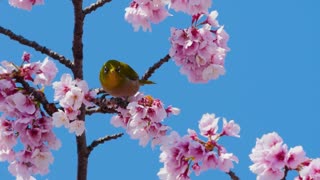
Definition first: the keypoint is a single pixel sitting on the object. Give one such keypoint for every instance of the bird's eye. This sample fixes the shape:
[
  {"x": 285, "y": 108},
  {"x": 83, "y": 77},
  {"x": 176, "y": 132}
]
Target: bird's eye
[
  {"x": 106, "y": 69},
  {"x": 118, "y": 69}
]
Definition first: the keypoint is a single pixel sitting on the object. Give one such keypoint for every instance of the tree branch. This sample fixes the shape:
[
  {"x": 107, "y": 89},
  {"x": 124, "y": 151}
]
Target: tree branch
[
  {"x": 77, "y": 69},
  {"x": 106, "y": 106},
  {"x": 99, "y": 141},
  {"x": 156, "y": 66},
  {"x": 77, "y": 44},
  {"x": 286, "y": 170},
  {"x": 95, "y": 6},
  {"x": 233, "y": 176},
  {"x": 39, "y": 96},
  {"x": 63, "y": 60}
]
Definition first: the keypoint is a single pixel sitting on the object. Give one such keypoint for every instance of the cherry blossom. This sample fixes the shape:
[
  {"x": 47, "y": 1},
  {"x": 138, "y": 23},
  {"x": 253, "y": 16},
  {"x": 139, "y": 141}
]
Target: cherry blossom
[
  {"x": 311, "y": 171},
  {"x": 23, "y": 120},
  {"x": 25, "y": 4},
  {"x": 181, "y": 155},
  {"x": 191, "y": 7},
  {"x": 141, "y": 13},
  {"x": 71, "y": 94},
  {"x": 271, "y": 157},
  {"x": 143, "y": 118},
  {"x": 200, "y": 51}
]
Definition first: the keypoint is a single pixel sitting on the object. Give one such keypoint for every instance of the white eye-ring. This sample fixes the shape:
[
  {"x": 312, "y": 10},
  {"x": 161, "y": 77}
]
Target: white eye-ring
[
  {"x": 106, "y": 69},
  {"x": 118, "y": 69}
]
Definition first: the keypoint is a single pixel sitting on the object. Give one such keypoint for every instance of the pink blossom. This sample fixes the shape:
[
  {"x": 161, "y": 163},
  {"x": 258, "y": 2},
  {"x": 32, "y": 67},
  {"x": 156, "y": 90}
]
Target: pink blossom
[
  {"x": 77, "y": 126},
  {"x": 143, "y": 119},
  {"x": 213, "y": 71},
  {"x": 311, "y": 171},
  {"x": 48, "y": 71},
  {"x": 8, "y": 139},
  {"x": 25, "y": 4},
  {"x": 6, "y": 154},
  {"x": 21, "y": 103},
  {"x": 34, "y": 136},
  {"x": 7, "y": 67},
  {"x": 208, "y": 125},
  {"x": 63, "y": 86},
  {"x": 226, "y": 161},
  {"x": 295, "y": 157},
  {"x": 42, "y": 160},
  {"x": 26, "y": 57},
  {"x": 142, "y": 13},
  {"x": 73, "y": 98},
  {"x": 60, "y": 118},
  {"x": 200, "y": 50},
  {"x": 181, "y": 155},
  {"x": 173, "y": 110},
  {"x": 271, "y": 157},
  {"x": 212, "y": 19},
  {"x": 269, "y": 153},
  {"x": 231, "y": 128},
  {"x": 88, "y": 94},
  {"x": 191, "y": 7},
  {"x": 271, "y": 174}
]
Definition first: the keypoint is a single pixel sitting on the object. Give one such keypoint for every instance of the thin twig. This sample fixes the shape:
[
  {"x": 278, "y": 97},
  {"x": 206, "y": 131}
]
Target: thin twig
[
  {"x": 102, "y": 110},
  {"x": 106, "y": 106},
  {"x": 156, "y": 66},
  {"x": 50, "y": 108},
  {"x": 63, "y": 60},
  {"x": 99, "y": 141},
  {"x": 95, "y": 6},
  {"x": 233, "y": 176}
]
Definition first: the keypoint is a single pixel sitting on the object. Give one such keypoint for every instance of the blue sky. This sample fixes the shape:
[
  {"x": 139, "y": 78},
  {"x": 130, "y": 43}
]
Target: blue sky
[{"x": 271, "y": 84}]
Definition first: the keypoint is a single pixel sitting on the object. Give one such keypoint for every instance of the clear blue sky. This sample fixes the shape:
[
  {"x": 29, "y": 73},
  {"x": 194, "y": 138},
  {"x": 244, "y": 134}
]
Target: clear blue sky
[{"x": 271, "y": 84}]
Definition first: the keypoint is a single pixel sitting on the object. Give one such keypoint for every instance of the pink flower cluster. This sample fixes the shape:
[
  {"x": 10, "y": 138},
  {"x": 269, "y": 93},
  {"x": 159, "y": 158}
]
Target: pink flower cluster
[
  {"x": 25, "y": 4},
  {"x": 310, "y": 171},
  {"x": 143, "y": 118},
  {"x": 191, "y": 7},
  {"x": 141, "y": 13},
  {"x": 23, "y": 121},
  {"x": 200, "y": 51},
  {"x": 271, "y": 158},
  {"x": 181, "y": 155},
  {"x": 71, "y": 94}
]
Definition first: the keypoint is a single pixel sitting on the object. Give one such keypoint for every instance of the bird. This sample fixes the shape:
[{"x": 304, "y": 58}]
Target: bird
[{"x": 119, "y": 80}]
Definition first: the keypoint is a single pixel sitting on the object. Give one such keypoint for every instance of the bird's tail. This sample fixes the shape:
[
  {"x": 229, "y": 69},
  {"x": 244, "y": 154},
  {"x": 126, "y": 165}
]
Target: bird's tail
[{"x": 143, "y": 82}]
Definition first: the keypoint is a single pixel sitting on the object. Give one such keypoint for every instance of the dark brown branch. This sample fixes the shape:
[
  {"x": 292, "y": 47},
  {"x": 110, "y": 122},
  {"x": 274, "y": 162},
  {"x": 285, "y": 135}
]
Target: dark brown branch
[
  {"x": 99, "y": 141},
  {"x": 233, "y": 176},
  {"x": 103, "y": 110},
  {"x": 39, "y": 96},
  {"x": 156, "y": 66},
  {"x": 106, "y": 106},
  {"x": 63, "y": 60},
  {"x": 286, "y": 170},
  {"x": 95, "y": 6},
  {"x": 77, "y": 69},
  {"x": 77, "y": 44}
]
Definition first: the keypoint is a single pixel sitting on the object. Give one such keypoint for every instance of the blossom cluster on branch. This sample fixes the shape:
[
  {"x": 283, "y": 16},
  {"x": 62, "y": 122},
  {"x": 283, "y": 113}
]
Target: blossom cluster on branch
[
  {"x": 143, "y": 120},
  {"x": 71, "y": 94},
  {"x": 22, "y": 119},
  {"x": 272, "y": 160},
  {"x": 200, "y": 50},
  {"x": 180, "y": 155}
]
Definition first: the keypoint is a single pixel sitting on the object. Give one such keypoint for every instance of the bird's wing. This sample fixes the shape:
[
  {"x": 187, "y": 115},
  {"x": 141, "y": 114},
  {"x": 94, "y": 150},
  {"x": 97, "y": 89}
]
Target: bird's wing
[{"x": 129, "y": 72}]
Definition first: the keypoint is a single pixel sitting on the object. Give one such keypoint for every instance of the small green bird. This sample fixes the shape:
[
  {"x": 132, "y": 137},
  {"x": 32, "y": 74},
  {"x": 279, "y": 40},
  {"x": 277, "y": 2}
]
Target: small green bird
[{"x": 119, "y": 79}]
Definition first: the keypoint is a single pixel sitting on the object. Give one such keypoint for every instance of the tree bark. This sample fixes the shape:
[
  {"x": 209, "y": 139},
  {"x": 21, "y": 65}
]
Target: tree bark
[{"x": 77, "y": 50}]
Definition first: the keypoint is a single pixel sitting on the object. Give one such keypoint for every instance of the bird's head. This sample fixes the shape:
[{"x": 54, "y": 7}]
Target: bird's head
[{"x": 111, "y": 73}]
